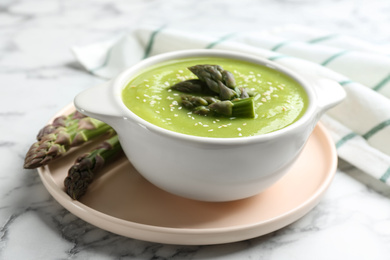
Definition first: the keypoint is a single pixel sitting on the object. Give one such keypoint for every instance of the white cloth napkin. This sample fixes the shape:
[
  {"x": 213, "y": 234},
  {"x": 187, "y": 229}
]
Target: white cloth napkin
[{"x": 359, "y": 126}]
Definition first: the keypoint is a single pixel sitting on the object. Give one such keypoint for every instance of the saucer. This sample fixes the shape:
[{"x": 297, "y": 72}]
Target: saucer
[{"x": 121, "y": 201}]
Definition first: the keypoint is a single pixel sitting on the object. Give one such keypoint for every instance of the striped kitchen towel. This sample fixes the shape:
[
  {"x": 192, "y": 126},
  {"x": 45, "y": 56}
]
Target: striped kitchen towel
[{"x": 359, "y": 126}]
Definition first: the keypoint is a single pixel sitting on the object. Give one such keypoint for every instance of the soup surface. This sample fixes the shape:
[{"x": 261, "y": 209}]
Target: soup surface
[{"x": 279, "y": 100}]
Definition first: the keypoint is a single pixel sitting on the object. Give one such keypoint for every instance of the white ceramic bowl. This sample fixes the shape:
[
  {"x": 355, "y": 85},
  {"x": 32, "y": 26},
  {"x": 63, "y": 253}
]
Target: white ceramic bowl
[{"x": 204, "y": 168}]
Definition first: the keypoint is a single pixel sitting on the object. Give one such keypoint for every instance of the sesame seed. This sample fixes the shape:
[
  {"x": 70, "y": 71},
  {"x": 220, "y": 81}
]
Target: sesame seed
[
  {"x": 210, "y": 130},
  {"x": 239, "y": 134},
  {"x": 263, "y": 100},
  {"x": 205, "y": 125},
  {"x": 239, "y": 129}
]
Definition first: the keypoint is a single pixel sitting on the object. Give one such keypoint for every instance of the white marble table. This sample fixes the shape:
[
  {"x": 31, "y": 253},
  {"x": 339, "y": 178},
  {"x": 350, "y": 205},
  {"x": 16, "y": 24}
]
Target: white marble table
[{"x": 39, "y": 76}]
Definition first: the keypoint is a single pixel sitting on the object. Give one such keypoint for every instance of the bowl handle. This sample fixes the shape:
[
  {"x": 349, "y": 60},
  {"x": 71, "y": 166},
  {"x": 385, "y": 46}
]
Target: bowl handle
[
  {"x": 99, "y": 102},
  {"x": 329, "y": 94}
]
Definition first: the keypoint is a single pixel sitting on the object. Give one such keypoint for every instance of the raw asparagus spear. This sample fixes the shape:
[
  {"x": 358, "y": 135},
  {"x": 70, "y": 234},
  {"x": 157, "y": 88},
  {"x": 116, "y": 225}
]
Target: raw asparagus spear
[
  {"x": 82, "y": 173},
  {"x": 61, "y": 121},
  {"x": 59, "y": 141}
]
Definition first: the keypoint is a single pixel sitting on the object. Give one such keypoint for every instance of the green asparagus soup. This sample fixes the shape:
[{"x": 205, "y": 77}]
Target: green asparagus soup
[{"x": 278, "y": 99}]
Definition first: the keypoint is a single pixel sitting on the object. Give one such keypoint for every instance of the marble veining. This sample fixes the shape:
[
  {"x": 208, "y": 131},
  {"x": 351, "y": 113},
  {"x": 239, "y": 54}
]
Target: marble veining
[{"x": 39, "y": 76}]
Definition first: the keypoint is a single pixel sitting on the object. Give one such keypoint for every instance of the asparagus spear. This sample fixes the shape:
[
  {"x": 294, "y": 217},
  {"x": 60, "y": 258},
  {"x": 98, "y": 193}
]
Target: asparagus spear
[
  {"x": 190, "y": 102},
  {"x": 209, "y": 106},
  {"x": 82, "y": 173},
  {"x": 61, "y": 121},
  {"x": 235, "y": 108},
  {"x": 217, "y": 79},
  {"x": 195, "y": 86},
  {"x": 61, "y": 139}
]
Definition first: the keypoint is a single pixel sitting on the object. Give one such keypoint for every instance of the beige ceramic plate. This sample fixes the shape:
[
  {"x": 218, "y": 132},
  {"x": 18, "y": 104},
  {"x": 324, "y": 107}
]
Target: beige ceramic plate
[{"x": 123, "y": 202}]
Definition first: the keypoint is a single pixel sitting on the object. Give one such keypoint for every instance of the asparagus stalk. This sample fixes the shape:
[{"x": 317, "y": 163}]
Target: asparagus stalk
[
  {"x": 217, "y": 79},
  {"x": 82, "y": 173},
  {"x": 61, "y": 121},
  {"x": 235, "y": 108},
  {"x": 190, "y": 102},
  {"x": 195, "y": 86},
  {"x": 211, "y": 106},
  {"x": 61, "y": 139}
]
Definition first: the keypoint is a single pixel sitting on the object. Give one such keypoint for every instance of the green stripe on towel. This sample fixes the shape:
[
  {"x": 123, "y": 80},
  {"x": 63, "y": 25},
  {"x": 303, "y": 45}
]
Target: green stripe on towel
[
  {"x": 313, "y": 41},
  {"x": 345, "y": 82},
  {"x": 333, "y": 57},
  {"x": 376, "y": 129},
  {"x": 106, "y": 59},
  {"x": 220, "y": 40},
  {"x": 149, "y": 46},
  {"x": 345, "y": 139},
  {"x": 385, "y": 176},
  {"x": 279, "y": 45},
  {"x": 323, "y": 38},
  {"x": 381, "y": 83},
  {"x": 277, "y": 57}
]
